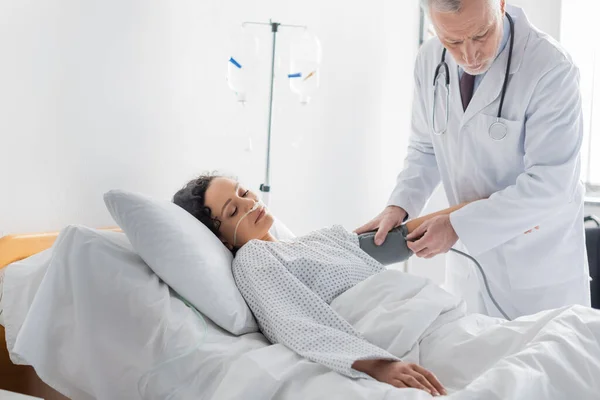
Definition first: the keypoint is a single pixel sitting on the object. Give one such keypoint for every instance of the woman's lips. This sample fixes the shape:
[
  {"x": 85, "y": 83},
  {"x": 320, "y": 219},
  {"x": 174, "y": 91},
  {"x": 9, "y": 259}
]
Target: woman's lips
[{"x": 261, "y": 214}]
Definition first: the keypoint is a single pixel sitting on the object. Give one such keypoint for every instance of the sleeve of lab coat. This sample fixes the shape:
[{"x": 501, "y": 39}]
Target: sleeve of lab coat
[
  {"x": 553, "y": 137},
  {"x": 420, "y": 175}
]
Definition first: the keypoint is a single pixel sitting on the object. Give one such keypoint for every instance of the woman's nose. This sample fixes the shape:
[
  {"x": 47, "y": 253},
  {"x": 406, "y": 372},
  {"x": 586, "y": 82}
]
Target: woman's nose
[{"x": 249, "y": 204}]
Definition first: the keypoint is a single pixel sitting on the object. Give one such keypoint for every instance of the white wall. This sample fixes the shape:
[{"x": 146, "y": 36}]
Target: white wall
[
  {"x": 132, "y": 94},
  {"x": 593, "y": 210},
  {"x": 545, "y": 15}
]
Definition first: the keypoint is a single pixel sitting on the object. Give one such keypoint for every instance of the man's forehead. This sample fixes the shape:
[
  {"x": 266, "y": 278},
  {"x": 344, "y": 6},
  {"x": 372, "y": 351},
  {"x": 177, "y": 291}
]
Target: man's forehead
[{"x": 466, "y": 28}]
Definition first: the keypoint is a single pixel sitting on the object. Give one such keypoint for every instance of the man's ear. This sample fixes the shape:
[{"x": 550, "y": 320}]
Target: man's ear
[{"x": 503, "y": 6}]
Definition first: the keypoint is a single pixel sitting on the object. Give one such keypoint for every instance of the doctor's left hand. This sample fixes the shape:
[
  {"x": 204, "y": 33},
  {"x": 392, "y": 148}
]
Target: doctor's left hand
[{"x": 432, "y": 237}]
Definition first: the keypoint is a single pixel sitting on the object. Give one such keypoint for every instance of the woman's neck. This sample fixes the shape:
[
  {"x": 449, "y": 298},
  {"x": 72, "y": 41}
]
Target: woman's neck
[{"x": 269, "y": 238}]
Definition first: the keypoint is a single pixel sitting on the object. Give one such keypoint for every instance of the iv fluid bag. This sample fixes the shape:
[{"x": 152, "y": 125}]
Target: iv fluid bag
[
  {"x": 305, "y": 60},
  {"x": 242, "y": 63}
]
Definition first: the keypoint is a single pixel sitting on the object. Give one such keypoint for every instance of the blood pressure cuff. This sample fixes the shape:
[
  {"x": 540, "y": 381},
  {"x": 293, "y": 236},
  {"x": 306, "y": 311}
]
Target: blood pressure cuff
[{"x": 393, "y": 250}]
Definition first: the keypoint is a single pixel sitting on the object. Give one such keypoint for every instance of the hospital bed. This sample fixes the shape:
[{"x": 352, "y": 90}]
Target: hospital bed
[
  {"x": 262, "y": 364},
  {"x": 22, "y": 378}
]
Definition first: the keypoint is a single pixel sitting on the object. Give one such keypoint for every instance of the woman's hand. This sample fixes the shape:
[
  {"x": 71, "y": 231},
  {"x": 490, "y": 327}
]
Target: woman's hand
[{"x": 401, "y": 375}]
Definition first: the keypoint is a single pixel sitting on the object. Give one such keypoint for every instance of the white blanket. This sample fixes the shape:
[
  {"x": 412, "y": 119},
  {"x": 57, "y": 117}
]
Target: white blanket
[
  {"x": 551, "y": 355},
  {"x": 92, "y": 338}
]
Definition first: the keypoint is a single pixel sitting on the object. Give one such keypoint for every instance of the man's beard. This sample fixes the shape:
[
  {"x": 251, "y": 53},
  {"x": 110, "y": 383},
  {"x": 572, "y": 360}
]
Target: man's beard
[{"x": 483, "y": 68}]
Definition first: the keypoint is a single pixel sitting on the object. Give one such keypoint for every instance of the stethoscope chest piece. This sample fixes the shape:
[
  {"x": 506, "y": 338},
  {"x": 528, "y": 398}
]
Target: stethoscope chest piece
[{"x": 498, "y": 130}]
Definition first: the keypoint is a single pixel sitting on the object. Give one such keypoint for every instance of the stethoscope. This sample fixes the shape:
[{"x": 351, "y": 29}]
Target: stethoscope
[{"x": 498, "y": 130}]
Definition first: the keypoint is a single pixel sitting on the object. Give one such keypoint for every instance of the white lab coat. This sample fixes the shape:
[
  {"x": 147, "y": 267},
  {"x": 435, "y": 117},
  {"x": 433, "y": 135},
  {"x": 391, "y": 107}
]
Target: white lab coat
[{"x": 531, "y": 178}]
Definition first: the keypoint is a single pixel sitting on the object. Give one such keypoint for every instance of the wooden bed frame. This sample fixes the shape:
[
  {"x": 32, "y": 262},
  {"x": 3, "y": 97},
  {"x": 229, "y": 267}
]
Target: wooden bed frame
[{"x": 22, "y": 378}]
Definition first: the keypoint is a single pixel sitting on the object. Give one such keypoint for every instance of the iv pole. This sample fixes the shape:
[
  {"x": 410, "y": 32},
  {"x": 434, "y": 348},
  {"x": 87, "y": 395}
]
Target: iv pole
[{"x": 266, "y": 186}]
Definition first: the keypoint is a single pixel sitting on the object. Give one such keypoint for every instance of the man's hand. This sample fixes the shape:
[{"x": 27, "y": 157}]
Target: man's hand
[
  {"x": 432, "y": 237},
  {"x": 387, "y": 220},
  {"x": 401, "y": 375}
]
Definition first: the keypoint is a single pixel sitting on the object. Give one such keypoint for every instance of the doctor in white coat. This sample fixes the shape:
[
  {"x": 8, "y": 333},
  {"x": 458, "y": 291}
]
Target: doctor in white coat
[{"x": 523, "y": 167}]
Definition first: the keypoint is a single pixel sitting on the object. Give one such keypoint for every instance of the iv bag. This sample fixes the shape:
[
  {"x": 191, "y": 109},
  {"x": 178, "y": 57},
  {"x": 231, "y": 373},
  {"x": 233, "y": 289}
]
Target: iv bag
[
  {"x": 242, "y": 63},
  {"x": 305, "y": 60}
]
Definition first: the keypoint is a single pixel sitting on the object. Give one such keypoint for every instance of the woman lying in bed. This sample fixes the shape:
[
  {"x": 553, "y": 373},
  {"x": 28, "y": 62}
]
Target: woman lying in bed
[{"x": 289, "y": 286}]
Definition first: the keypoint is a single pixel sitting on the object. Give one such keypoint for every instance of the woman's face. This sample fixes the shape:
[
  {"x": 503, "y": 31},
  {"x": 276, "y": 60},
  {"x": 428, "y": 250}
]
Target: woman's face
[{"x": 229, "y": 202}]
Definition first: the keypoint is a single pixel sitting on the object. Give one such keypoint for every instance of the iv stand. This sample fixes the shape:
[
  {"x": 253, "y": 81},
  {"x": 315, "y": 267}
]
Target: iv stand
[{"x": 266, "y": 186}]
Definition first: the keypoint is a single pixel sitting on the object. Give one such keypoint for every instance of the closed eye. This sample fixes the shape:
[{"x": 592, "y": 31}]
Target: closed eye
[{"x": 235, "y": 209}]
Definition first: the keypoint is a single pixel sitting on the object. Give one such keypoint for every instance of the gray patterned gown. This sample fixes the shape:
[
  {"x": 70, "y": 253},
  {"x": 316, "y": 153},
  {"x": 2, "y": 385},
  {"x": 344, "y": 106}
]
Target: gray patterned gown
[{"x": 290, "y": 285}]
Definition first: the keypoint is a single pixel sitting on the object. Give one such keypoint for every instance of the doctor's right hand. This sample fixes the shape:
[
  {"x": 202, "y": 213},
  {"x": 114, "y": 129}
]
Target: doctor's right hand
[
  {"x": 401, "y": 375},
  {"x": 390, "y": 218}
]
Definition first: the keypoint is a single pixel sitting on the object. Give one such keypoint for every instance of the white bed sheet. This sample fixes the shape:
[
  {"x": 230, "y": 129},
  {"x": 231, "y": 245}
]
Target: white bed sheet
[{"x": 110, "y": 344}]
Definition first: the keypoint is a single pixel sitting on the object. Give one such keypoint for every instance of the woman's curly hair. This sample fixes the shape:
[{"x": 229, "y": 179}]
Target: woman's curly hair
[{"x": 192, "y": 198}]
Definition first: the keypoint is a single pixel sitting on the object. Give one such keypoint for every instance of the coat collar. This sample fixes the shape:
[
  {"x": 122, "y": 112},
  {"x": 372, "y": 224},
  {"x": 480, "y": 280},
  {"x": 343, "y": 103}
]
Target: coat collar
[{"x": 491, "y": 85}]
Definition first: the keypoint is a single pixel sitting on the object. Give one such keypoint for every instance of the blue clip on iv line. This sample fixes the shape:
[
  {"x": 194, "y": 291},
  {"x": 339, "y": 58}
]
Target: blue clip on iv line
[{"x": 237, "y": 64}]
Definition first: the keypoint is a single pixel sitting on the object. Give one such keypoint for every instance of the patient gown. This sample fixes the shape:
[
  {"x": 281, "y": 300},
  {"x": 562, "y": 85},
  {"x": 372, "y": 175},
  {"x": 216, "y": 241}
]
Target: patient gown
[{"x": 289, "y": 287}]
